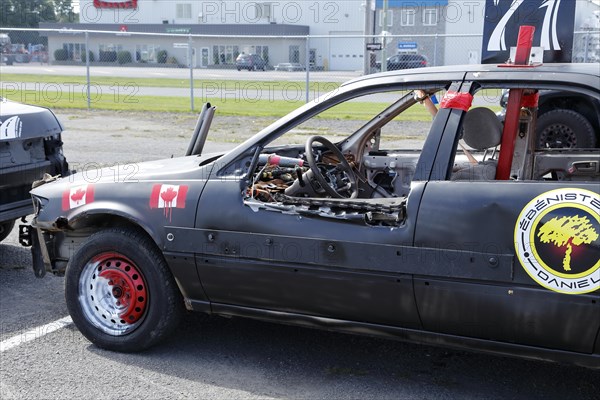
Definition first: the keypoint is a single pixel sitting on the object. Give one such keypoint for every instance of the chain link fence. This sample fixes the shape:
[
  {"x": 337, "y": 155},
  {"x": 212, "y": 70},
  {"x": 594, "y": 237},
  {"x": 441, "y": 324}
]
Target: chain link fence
[{"x": 180, "y": 64}]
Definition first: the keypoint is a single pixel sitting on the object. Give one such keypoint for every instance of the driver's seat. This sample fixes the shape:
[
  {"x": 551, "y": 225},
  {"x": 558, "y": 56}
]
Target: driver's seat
[{"x": 481, "y": 131}]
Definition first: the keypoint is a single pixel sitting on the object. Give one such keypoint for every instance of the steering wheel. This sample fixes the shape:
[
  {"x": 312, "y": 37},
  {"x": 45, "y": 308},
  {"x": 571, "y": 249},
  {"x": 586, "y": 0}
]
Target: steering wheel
[{"x": 337, "y": 180}]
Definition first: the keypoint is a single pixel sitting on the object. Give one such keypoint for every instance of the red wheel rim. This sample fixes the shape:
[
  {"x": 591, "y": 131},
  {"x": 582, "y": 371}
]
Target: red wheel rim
[
  {"x": 128, "y": 286},
  {"x": 113, "y": 293}
]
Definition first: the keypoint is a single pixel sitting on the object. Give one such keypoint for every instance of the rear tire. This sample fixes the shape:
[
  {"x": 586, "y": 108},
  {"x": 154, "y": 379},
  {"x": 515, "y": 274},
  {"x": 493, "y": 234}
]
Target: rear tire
[
  {"x": 120, "y": 293},
  {"x": 561, "y": 128},
  {"x": 5, "y": 228}
]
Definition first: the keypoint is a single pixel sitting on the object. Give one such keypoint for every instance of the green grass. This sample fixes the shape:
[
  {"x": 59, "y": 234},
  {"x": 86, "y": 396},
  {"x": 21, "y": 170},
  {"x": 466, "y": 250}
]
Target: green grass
[
  {"x": 261, "y": 108},
  {"x": 70, "y": 95},
  {"x": 199, "y": 83},
  {"x": 107, "y": 101}
]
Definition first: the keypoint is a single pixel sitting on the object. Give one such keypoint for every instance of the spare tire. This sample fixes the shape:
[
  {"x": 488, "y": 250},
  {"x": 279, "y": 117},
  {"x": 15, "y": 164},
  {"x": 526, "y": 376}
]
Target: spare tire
[{"x": 562, "y": 128}]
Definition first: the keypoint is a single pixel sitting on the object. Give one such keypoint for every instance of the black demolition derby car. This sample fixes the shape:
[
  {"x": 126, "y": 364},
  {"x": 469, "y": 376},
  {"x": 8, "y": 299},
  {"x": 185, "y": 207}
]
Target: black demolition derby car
[
  {"x": 458, "y": 232},
  {"x": 30, "y": 146}
]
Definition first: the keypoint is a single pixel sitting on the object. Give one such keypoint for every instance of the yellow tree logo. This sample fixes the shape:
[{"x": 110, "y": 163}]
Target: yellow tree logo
[{"x": 569, "y": 231}]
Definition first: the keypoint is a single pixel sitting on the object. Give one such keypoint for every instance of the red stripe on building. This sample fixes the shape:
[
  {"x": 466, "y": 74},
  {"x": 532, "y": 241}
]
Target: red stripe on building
[{"x": 115, "y": 4}]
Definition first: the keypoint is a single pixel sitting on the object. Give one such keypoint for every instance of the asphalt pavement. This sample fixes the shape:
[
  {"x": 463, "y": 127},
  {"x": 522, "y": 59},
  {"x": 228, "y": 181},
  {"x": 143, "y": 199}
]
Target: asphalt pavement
[{"x": 217, "y": 358}]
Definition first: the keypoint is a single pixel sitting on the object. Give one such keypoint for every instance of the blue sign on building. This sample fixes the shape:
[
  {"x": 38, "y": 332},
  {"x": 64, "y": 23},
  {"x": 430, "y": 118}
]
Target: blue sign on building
[{"x": 407, "y": 45}]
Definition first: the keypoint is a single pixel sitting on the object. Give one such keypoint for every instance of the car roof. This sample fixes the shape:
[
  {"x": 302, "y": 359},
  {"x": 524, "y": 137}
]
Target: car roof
[{"x": 586, "y": 74}]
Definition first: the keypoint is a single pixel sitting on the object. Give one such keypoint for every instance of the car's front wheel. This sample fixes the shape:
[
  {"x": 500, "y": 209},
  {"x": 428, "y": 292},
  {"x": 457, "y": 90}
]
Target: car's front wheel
[
  {"x": 120, "y": 292},
  {"x": 5, "y": 228}
]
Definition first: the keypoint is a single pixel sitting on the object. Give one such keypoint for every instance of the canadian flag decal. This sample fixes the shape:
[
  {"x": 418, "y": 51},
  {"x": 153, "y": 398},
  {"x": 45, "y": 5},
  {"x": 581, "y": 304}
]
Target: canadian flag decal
[
  {"x": 77, "y": 196},
  {"x": 168, "y": 197}
]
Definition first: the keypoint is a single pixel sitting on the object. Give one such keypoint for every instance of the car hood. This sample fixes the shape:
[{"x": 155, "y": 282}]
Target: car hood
[{"x": 166, "y": 170}]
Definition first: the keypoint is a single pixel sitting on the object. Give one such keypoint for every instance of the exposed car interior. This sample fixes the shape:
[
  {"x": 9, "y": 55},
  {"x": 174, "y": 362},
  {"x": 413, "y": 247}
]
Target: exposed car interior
[
  {"x": 482, "y": 131},
  {"x": 362, "y": 176}
]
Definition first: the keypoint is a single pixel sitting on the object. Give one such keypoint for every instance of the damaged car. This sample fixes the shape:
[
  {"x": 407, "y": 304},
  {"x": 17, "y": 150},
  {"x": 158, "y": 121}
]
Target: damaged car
[
  {"x": 430, "y": 224},
  {"x": 30, "y": 146}
]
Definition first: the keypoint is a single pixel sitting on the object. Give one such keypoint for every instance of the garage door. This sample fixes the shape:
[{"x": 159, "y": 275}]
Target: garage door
[{"x": 346, "y": 54}]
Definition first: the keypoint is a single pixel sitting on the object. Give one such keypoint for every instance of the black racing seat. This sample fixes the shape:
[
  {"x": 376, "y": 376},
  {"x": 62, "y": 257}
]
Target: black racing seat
[{"x": 481, "y": 131}]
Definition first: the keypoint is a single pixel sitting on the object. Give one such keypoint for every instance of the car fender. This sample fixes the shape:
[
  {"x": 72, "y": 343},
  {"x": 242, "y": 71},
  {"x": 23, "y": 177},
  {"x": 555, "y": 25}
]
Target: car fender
[{"x": 90, "y": 215}]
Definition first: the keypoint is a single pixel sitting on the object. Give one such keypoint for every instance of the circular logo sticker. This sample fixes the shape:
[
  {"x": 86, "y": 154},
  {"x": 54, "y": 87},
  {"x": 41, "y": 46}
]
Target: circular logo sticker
[{"x": 557, "y": 240}]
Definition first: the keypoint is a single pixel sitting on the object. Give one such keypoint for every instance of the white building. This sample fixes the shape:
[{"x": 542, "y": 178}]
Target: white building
[
  {"x": 321, "y": 17},
  {"x": 447, "y": 31}
]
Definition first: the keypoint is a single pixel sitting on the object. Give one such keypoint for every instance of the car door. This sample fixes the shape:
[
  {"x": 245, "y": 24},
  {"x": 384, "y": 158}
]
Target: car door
[
  {"x": 288, "y": 262},
  {"x": 521, "y": 278},
  {"x": 304, "y": 257},
  {"x": 500, "y": 300}
]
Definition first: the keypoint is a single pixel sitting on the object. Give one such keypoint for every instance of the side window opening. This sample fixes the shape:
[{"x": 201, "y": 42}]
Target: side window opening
[
  {"x": 358, "y": 166},
  {"x": 545, "y": 145}
]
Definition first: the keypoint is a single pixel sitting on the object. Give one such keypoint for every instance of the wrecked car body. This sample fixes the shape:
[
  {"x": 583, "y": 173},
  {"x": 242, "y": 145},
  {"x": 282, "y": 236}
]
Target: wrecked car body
[{"x": 437, "y": 237}]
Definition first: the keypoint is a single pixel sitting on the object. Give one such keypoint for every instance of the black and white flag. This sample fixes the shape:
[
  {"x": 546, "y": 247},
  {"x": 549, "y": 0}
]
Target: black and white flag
[{"x": 554, "y": 21}]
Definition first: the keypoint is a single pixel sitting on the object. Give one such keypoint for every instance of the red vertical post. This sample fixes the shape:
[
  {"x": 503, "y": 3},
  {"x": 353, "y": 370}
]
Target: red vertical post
[{"x": 513, "y": 108}]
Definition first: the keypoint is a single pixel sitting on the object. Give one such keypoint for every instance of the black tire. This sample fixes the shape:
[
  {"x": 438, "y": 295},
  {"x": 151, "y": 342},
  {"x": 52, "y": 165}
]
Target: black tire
[
  {"x": 562, "y": 128},
  {"x": 5, "y": 228},
  {"x": 148, "y": 293}
]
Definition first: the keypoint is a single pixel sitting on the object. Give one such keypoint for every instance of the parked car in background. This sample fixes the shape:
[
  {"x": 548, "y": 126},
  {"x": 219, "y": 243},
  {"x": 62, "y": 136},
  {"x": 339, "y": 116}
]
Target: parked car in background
[
  {"x": 251, "y": 62},
  {"x": 291, "y": 67},
  {"x": 404, "y": 61},
  {"x": 13, "y": 52}
]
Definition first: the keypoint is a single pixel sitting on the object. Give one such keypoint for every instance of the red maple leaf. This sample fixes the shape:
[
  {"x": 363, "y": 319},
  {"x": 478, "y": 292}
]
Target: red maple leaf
[
  {"x": 168, "y": 195},
  {"x": 78, "y": 195}
]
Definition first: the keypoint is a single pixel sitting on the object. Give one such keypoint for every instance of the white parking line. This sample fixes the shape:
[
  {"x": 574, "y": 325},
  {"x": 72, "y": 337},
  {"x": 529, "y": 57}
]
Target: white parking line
[{"x": 34, "y": 333}]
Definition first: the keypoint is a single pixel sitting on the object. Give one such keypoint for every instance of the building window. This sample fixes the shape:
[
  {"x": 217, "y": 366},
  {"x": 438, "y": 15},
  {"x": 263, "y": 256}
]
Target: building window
[
  {"x": 264, "y": 11},
  {"x": 147, "y": 53},
  {"x": 294, "y": 55},
  {"x": 110, "y": 47},
  {"x": 225, "y": 54},
  {"x": 430, "y": 17},
  {"x": 407, "y": 17},
  {"x": 184, "y": 11},
  {"x": 107, "y": 52},
  {"x": 262, "y": 51},
  {"x": 74, "y": 50}
]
